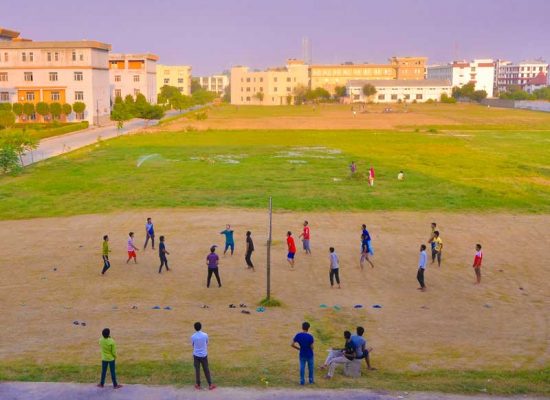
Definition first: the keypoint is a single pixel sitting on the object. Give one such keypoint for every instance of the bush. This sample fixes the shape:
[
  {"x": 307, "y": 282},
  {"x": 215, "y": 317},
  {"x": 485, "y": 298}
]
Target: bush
[
  {"x": 5, "y": 106},
  {"x": 446, "y": 99},
  {"x": 9, "y": 161},
  {"x": 7, "y": 119}
]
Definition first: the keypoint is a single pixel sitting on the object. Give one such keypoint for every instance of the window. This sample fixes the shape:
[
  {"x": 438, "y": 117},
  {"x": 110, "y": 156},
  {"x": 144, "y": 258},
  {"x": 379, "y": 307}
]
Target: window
[
  {"x": 56, "y": 56},
  {"x": 79, "y": 96},
  {"x": 56, "y": 96},
  {"x": 248, "y": 89},
  {"x": 53, "y": 76},
  {"x": 288, "y": 89},
  {"x": 23, "y": 56},
  {"x": 31, "y": 56},
  {"x": 78, "y": 76},
  {"x": 81, "y": 57},
  {"x": 166, "y": 81},
  {"x": 49, "y": 56},
  {"x": 4, "y": 96},
  {"x": 74, "y": 56},
  {"x": 136, "y": 92},
  {"x": 3, "y": 76},
  {"x": 261, "y": 80},
  {"x": 117, "y": 78},
  {"x": 288, "y": 79},
  {"x": 248, "y": 79},
  {"x": 180, "y": 80},
  {"x": 418, "y": 97},
  {"x": 28, "y": 76},
  {"x": 407, "y": 96},
  {"x": 180, "y": 88},
  {"x": 275, "y": 79},
  {"x": 29, "y": 96},
  {"x": 394, "y": 97},
  {"x": 381, "y": 97},
  {"x": 136, "y": 78},
  {"x": 6, "y": 57},
  {"x": 247, "y": 98},
  {"x": 118, "y": 93},
  {"x": 274, "y": 89}
]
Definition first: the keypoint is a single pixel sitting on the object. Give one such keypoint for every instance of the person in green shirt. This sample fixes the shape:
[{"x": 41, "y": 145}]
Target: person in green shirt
[
  {"x": 108, "y": 357},
  {"x": 105, "y": 255}
]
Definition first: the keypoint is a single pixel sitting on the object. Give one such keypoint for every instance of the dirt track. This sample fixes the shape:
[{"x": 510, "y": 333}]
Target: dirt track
[{"x": 453, "y": 325}]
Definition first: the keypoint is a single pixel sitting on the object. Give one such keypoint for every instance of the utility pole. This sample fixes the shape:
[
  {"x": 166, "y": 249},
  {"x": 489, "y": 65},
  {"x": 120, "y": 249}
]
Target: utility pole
[{"x": 268, "y": 296}]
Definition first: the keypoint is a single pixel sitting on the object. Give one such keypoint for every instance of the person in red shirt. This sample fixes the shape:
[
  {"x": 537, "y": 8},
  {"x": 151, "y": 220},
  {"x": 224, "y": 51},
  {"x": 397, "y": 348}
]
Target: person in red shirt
[
  {"x": 291, "y": 248},
  {"x": 305, "y": 237},
  {"x": 477, "y": 263},
  {"x": 371, "y": 176}
]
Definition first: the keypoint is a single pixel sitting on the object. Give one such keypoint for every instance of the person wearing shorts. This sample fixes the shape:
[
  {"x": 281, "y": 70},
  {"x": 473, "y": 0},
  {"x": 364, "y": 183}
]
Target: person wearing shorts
[
  {"x": 305, "y": 238},
  {"x": 477, "y": 263},
  {"x": 131, "y": 248},
  {"x": 149, "y": 234},
  {"x": 229, "y": 241},
  {"x": 291, "y": 248}
]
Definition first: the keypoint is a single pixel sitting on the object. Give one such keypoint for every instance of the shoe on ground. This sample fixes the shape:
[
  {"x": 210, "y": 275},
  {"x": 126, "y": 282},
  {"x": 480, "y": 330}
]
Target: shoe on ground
[
  {"x": 118, "y": 386},
  {"x": 197, "y": 387},
  {"x": 212, "y": 387}
]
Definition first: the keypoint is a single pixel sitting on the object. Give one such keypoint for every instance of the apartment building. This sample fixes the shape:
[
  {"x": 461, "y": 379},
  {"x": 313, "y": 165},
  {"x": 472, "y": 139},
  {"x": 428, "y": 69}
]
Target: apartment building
[
  {"x": 274, "y": 86},
  {"x": 480, "y": 71},
  {"x": 174, "y": 75},
  {"x": 519, "y": 75},
  {"x": 132, "y": 74},
  {"x": 214, "y": 83},
  {"x": 56, "y": 71},
  {"x": 395, "y": 90},
  {"x": 329, "y": 76}
]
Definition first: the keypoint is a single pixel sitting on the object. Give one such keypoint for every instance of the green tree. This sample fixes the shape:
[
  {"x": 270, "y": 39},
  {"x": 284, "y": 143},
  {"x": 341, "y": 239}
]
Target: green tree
[
  {"x": 9, "y": 162},
  {"x": 227, "y": 94},
  {"x": 79, "y": 108},
  {"x": 7, "y": 119},
  {"x": 168, "y": 94},
  {"x": 120, "y": 114},
  {"x": 28, "y": 109},
  {"x": 118, "y": 100},
  {"x": 181, "y": 102},
  {"x": 151, "y": 112},
  {"x": 17, "y": 109},
  {"x": 446, "y": 99},
  {"x": 542, "y": 93},
  {"x": 368, "y": 90},
  {"x": 43, "y": 109},
  {"x": 56, "y": 110},
  {"x": 21, "y": 142},
  {"x": 260, "y": 96},
  {"x": 66, "y": 109},
  {"x": 195, "y": 85},
  {"x": 300, "y": 94},
  {"x": 479, "y": 95},
  {"x": 339, "y": 91},
  {"x": 203, "y": 97},
  {"x": 288, "y": 99},
  {"x": 5, "y": 106}
]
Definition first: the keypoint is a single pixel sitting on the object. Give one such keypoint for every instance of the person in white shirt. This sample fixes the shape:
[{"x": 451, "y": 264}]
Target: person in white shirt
[
  {"x": 334, "y": 268},
  {"x": 400, "y": 176},
  {"x": 422, "y": 261},
  {"x": 199, "y": 341}
]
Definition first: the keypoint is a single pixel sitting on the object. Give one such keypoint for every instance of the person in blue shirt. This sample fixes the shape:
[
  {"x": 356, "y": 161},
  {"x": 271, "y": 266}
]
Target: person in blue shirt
[
  {"x": 149, "y": 234},
  {"x": 229, "y": 242},
  {"x": 365, "y": 249},
  {"x": 422, "y": 261},
  {"x": 303, "y": 342},
  {"x": 361, "y": 349},
  {"x": 162, "y": 254}
]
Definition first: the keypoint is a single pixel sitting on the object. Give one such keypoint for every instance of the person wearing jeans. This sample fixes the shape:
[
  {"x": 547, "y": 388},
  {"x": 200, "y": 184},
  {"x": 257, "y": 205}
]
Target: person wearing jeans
[
  {"x": 199, "y": 341},
  {"x": 334, "y": 268},
  {"x": 108, "y": 357},
  {"x": 303, "y": 342},
  {"x": 212, "y": 261},
  {"x": 422, "y": 261},
  {"x": 105, "y": 255},
  {"x": 249, "y": 250}
]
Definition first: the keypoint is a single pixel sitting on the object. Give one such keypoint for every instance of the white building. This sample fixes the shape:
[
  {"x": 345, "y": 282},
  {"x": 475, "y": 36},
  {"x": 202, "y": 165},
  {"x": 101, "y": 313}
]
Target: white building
[
  {"x": 510, "y": 74},
  {"x": 214, "y": 83},
  {"x": 394, "y": 90},
  {"x": 459, "y": 73},
  {"x": 132, "y": 74},
  {"x": 60, "y": 71}
]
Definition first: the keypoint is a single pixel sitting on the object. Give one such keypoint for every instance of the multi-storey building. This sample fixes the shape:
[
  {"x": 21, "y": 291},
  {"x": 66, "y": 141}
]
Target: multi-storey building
[
  {"x": 174, "y": 75},
  {"x": 518, "y": 75},
  {"x": 394, "y": 90},
  {"x": 214, "y": 83},
  {"x": 481, "y": 72},
  {"x": 329, "y": 76},
  {"x": 133, "y": 74},
  {"x": 274, "y": 86},
  {"x": 56, "y": 71}
]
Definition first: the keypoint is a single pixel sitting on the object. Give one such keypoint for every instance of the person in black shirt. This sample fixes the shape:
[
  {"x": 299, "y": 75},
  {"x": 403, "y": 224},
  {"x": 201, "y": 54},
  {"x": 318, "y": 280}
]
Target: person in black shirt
[
  {"x": 162, "y": 255},
  {"x": 249, "y": 250},
  {"x": 348, "y": 355}
]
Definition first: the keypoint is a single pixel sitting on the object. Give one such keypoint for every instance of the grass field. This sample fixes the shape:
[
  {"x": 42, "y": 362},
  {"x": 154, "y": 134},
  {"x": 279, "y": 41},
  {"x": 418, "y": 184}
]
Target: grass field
[
  {"x": 483, "y": 174},
  {"x": 42, "y": 130}
]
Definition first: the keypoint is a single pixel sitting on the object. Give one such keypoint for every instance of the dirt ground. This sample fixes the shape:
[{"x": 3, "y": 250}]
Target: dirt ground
[{"x": 454, "y": 324}]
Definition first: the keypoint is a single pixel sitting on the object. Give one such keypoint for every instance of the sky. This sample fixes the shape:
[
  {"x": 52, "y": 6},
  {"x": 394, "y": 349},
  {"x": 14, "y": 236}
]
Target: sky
[{"x": 213, "y": 35}]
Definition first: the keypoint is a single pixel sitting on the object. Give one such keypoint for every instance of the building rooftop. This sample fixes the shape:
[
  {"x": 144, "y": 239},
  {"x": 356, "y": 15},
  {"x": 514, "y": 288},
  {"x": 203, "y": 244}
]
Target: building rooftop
[
  {"x": 540, "y": 79},
  {"x": 147, "y": 56},
  {"x": 23, "y": 44},
  {"x": 8, "y": 34},
  {"x": 400, "y": 82}
]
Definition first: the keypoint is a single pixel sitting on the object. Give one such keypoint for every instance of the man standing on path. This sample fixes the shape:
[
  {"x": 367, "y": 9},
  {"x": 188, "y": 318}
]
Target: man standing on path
[
  {"x": 361, "y": 347},
  {"x": 477, "y": 263},
  {"x": 229, "y": 241},
  {"x": 437, "y": 248},
  {"x": 249, "y": 250},
  {"x": 422, "y": 261},
  {"x": 131, "y": 248},
  {"x": 334, "y": 270},
  {"x": 305, "y": 238},
  {"x": 105, "y": 255},
  {"x": 212, "y": 261},
  {"x": 162, "y": 254},
  {"x": 108, "y": 357},
  {"x": 303, "y": 342},
  {"x": 291, "y": 249},
  {"x": 149, "y": 234},
  {"x": 199, "y": 341}
]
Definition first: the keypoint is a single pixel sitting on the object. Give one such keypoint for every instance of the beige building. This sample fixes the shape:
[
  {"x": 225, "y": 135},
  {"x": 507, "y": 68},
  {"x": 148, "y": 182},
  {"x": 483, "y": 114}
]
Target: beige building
[
  {"x": 395, "y": 90},
  {"x": 329, "y": 76},
  {"x": 174, "y": 75},
  {"x": 132, "y": 74},
  {"x": 274, "y": 86},
  {"x": 214, "y": 83},
  {"x": 56, "y": 71}
]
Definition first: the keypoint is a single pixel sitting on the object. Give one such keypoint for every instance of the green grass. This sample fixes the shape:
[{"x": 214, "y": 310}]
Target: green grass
[
  {"x": 43, "y": 131},
  {"x": 255, "y": 372},
  {"x": 474, "y": 171}
]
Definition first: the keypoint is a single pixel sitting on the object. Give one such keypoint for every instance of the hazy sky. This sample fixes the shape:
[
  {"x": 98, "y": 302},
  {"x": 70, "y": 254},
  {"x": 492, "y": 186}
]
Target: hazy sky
[{"x": 213, "y": 35}]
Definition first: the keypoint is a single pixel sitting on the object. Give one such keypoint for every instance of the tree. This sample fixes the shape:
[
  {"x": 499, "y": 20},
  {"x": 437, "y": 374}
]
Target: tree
[
  {"x": 28, "y": 109},
  {"x": 368, "y": 90},
  {"x": 321, "y": 94},
  {"x": 203, "y": 97},
  {"x": 181, "y": 102},
  {"x": 195, "y": 85},
  {"x": 227, "y": 94},
  {"x": 17, "y": 109},
  {"x": 168, "y": 94},
  {"x": 260, "y": 96},
  {"x": 479, "y": 95},
  {"x": 288, "y": 99},
  {"x": 5, "y": 106},
  {"x": 79, "y": 108},
  {"x": 339, "y": 91},
  {"x": 7, "y": 119},
  {"x": 118, "y": 100},
  {"x": 42, "y": 109},
  {"x": 542, "y": 93},
  {"x": 66, "y": 109},
  {"x": 150, "y": 112},
  {"x": 466, "y": 90},
  {"x": 300, "y": 94},
  {"x": 21, "y": 142},
  {"x": 446, "y": 99},
  {"x": 8, "y": 159},
  {"x": 120, "y": 114},
  {"x": 56, "y": 110}
]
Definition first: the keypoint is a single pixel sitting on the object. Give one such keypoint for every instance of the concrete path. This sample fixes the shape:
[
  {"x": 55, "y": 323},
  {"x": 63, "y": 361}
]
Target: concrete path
[
  {"x": 77, "y": 391},
  {"x": 57, "y": 145}
]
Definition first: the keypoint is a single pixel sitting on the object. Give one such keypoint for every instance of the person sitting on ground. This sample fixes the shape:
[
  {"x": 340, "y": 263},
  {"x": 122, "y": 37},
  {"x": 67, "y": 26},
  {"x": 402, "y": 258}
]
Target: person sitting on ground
[
  {"x": 400, "y": 176},
  {"x": 348, "y": 354},
  {"x": 361, "y": 347}
]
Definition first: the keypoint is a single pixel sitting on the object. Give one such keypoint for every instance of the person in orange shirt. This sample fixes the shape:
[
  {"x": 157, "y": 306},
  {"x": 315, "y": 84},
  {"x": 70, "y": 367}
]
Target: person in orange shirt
[
  {"x": 291, "y": 248},
  {"x": 477, "y": 263}
]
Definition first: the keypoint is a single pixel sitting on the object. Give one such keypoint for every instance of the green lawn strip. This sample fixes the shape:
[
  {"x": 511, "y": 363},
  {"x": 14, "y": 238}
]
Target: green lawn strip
[
  {"x": 43, "y": 131},
  {"x": 285, "y": 374}
]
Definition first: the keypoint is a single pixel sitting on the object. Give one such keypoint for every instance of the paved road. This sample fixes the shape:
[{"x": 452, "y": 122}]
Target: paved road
[
  {"x": 57, "y": 145},
  {"x": 76, "y": 391}
]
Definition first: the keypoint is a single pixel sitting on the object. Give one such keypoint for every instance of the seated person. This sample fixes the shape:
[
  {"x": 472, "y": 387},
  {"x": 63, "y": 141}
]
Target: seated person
[
  {"x": 361, "y": 349},
  {"x": 348, "y": 354}
]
